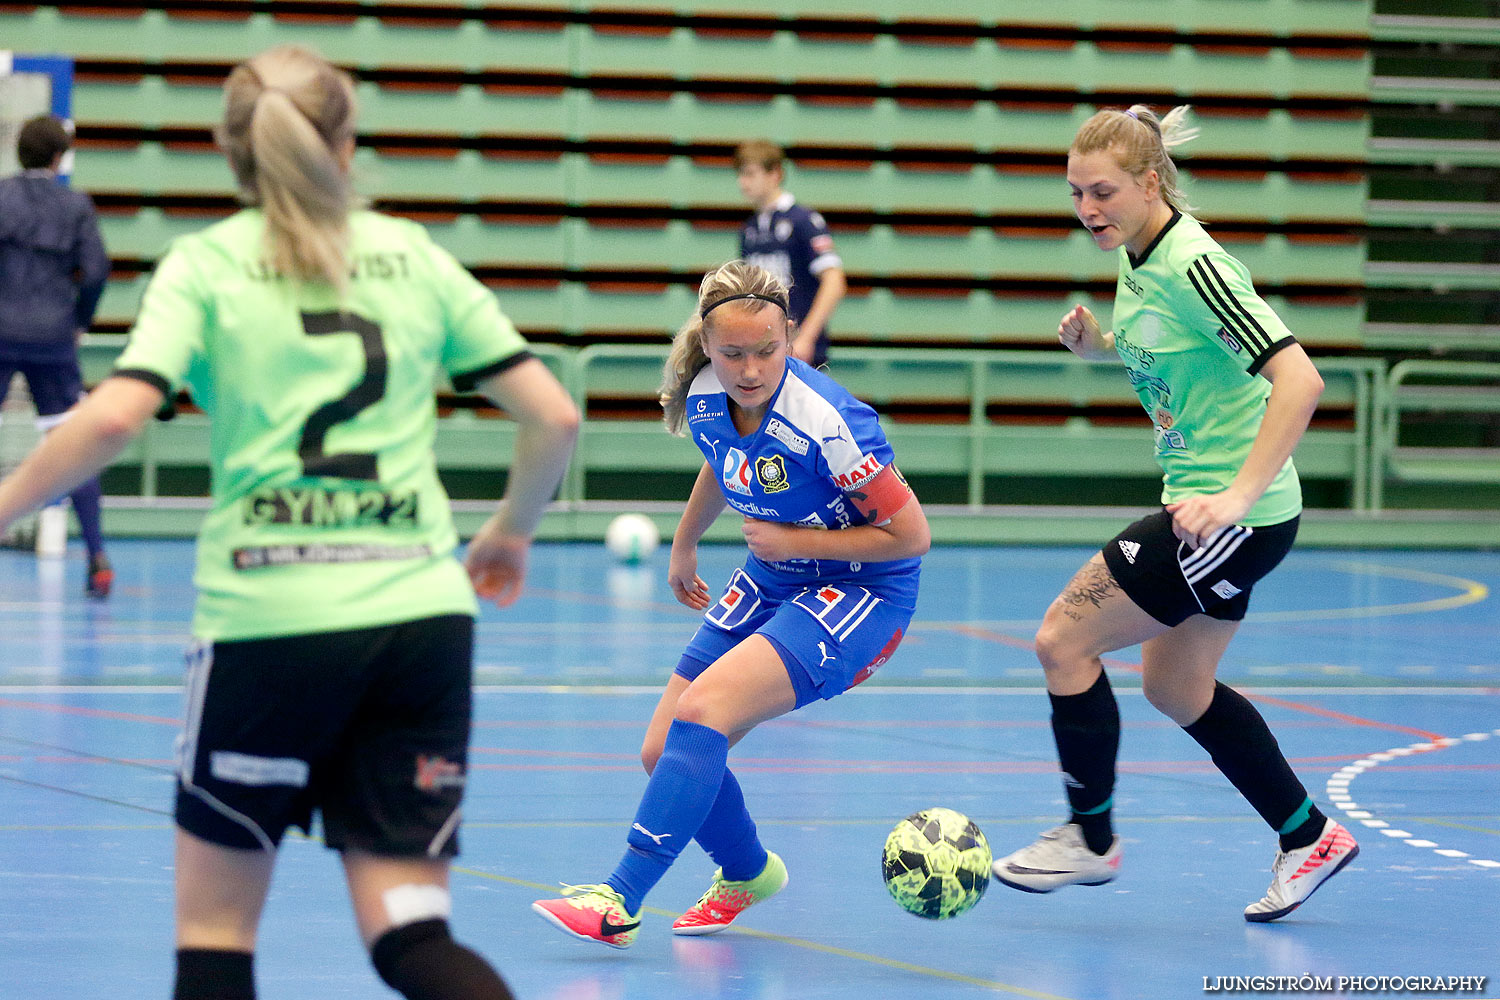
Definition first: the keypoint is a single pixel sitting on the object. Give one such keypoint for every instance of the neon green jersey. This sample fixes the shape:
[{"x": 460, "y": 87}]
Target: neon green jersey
[
  {"x": 1193, "y": 334},
  {"x": 327, "y": 511}
]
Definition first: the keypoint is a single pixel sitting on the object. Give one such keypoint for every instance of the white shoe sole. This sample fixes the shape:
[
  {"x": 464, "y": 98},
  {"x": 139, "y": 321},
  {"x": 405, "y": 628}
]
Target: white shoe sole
[
  {"x": 1270, "y": 915},
  {"x": 551, "y": 918},
  {"x": 1001, "y": 875},
  {"x": 699, "y": 930}
]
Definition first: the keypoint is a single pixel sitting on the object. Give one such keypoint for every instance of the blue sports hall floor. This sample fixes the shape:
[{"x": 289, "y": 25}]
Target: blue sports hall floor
[{"x": 1378, "y": 670}]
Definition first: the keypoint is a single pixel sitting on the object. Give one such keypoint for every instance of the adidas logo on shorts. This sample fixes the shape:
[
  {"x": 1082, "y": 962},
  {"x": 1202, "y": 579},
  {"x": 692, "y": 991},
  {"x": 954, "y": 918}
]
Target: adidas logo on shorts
[
  {"x": 1225, "y": 589},
  {"x": 1131, "y": 550}
]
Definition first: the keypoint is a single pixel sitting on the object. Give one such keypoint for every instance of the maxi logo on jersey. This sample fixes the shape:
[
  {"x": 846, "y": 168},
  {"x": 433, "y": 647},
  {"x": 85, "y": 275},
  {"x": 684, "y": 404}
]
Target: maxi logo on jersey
[
  {"x": 868, "y": 468},
  {"x": 737, "y": 472}
]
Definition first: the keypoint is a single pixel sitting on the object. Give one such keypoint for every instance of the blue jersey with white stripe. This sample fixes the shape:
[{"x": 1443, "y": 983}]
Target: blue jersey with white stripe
[{"x": 815, "y": 444}]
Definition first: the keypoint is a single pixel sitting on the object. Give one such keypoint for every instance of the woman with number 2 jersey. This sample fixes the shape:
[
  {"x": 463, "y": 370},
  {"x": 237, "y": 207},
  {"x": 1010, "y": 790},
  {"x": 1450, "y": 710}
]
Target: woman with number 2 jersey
[
  {"x": 334, "y": 627},
  {"x": 823, "y": 600}
]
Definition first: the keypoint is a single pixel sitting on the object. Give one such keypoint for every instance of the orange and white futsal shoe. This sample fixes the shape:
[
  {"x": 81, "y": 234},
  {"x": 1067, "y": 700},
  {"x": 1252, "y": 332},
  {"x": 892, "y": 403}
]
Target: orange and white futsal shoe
[
  {"x": 1296, "y": 875},
  {"x": 726, "y": 900},
  {"x": 591, "y": 913}
]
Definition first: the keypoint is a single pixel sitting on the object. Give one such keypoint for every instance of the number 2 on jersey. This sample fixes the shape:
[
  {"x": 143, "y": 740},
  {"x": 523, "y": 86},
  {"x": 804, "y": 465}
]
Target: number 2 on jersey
[{"x": 366, "y": 392}]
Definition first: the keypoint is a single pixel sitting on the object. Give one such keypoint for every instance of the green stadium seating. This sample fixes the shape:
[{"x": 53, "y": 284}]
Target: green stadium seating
[
  {"x": 974, "y": 449},
  {"x": 1459, "y": 389},
  {"x": 153, "y": 168},
  {"x": 983, "y": 62},
  {"x": 1435, "y": 160},
  {"x": 578, "y": 159},
  {"x": 361, "y": 42},
  {"x": 1260, "y": 17},
  {"x": 882, "y": 251},
  {"x": 980, "y": 447}
]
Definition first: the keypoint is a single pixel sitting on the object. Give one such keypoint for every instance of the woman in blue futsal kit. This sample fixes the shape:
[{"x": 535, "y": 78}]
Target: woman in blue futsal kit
[{"x": 823, "y": 600}]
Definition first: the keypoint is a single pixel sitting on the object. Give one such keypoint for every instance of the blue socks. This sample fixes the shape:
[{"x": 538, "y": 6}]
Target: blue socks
[
  {"x": 678, "y": 798},
  {"x": 86, "y": 503},
  {"x": 728, "y": 834}
]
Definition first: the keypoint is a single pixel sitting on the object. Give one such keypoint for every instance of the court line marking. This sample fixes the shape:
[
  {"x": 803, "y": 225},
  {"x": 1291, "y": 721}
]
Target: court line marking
[
  {"x": 858, "y": 956},
  {"x": 1337, "y": 792},
  {"x": 1470, "y": 592},
  {"x": 796, "y": 942},
  {"x": 1253, "y": 694},
  {"x": 864, "y": 690}
]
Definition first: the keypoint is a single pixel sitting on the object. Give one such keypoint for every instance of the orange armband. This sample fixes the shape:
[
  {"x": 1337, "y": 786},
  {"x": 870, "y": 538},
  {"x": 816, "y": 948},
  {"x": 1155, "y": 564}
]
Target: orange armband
[{"x": 880, "y": 498}]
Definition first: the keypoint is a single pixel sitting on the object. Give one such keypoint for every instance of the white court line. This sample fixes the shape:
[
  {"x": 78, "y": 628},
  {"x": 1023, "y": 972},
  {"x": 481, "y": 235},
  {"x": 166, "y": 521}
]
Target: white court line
[
  {"x": 864, "y": 691},
  {"x": 1337, "y": 791}
]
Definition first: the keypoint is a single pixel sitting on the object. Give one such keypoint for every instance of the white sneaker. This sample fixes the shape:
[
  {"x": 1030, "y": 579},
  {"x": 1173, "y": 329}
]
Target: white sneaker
[
  {"x": 1058, "y": 858},
  {"x": 1296, "y": 875}
]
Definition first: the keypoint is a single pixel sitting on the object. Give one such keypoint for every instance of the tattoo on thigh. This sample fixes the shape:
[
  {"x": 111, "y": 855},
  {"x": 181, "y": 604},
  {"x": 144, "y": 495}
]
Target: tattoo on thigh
[{"x": 1093, "y": 584}]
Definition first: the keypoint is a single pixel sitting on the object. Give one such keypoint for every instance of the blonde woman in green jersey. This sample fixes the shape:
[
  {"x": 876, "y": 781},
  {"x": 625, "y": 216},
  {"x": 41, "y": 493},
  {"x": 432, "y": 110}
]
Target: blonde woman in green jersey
[
  {"x": 334, "y": 628},
  {"x": 1230, "y": 393}
]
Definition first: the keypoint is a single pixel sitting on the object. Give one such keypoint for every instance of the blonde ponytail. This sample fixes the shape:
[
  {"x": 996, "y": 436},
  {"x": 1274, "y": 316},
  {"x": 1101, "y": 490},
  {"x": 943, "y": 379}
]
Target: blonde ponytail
[
  {"x": 288, "y": 118},
  {"x": 1141, "y": 142}
]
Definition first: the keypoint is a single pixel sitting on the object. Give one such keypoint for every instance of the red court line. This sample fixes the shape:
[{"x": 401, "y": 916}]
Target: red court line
[
  {"x": 76, "y": 759},
  {"x": 1388, "y": 767},
  {"x": 93, "y": 713},
  {"x": 999, "y": 637},
  {"x": 1133, "y": 667},
  {"x": 1353, "y": 720},
  {"x": 771, "y": 765}
]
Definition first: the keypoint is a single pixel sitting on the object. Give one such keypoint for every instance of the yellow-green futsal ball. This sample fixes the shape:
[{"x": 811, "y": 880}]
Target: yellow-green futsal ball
[{"x": 936, "y": 863}]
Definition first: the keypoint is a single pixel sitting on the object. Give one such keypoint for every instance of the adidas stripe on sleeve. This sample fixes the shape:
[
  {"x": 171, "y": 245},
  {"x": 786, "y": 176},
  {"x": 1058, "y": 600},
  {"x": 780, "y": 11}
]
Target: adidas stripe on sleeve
[{"x": 1241, "y": 314}]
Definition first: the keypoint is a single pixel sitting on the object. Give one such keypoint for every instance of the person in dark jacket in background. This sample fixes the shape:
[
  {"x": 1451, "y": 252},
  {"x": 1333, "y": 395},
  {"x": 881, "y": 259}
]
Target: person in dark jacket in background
[{"x": 52, "y": 272}]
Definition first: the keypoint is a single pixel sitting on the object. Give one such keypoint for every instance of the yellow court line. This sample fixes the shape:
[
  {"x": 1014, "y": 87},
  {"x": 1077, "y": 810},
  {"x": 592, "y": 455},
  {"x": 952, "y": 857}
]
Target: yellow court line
[
  {"x": 891, "y": 963},
  {"x": 1471, "y": 592},
  {"x": 1450, "y": 824},
  {"x": 857, "y": 956}
]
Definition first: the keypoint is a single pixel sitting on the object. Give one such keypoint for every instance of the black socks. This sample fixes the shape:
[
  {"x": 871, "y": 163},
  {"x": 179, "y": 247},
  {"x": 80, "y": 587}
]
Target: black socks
[
  {"x": 1087, "y": 729},
  {"x": 210, "y": 974},
  {"x": 421, "y": 961},
  {"x": 1241, "y": 745}
]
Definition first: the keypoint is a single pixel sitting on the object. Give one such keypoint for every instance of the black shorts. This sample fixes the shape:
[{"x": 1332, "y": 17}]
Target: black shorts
[
  {"x": 370, "y": 727},
  {"x": 1172, "y": 582},
  {"x": 55, "y": 385}
]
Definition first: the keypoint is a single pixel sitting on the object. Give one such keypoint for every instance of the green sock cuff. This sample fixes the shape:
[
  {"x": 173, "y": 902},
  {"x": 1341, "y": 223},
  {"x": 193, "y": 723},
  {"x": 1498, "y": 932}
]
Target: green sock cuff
[
  {"x": 773, "y": 874},
  {"x": 1109, "y": 802},
  {"x": 1298, "y": 818}
]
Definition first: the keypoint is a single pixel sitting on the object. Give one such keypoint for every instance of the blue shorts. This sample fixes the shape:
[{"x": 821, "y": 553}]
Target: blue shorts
[{"x": 831, "y": 636}]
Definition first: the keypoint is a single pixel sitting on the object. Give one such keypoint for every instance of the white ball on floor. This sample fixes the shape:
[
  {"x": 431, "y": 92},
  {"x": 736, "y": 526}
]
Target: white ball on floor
[{"x": 631, "y": 538}]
